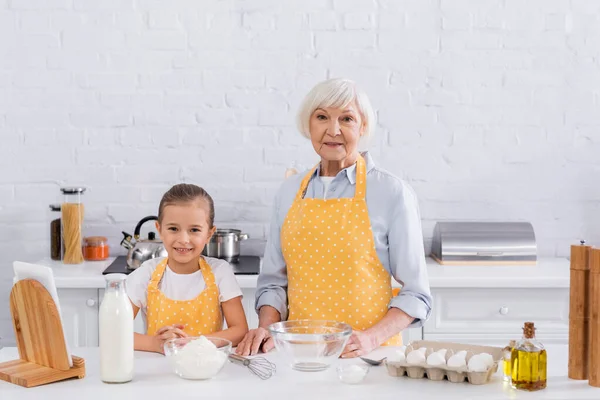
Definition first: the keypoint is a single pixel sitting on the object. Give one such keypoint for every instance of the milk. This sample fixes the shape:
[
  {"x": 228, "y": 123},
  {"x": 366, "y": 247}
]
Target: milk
[{"x": 116, "y": 332}]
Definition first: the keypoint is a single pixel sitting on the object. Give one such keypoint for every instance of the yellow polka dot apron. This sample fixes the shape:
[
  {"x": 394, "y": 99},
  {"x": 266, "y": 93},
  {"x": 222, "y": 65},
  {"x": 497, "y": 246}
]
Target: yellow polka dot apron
[
  {"x": 199, "y": 316},
  {"x": 333, "y": 269}
]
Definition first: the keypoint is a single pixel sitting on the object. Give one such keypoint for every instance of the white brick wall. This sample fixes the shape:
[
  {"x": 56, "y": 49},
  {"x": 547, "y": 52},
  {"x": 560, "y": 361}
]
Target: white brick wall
[{"x": 489, "y": 108}]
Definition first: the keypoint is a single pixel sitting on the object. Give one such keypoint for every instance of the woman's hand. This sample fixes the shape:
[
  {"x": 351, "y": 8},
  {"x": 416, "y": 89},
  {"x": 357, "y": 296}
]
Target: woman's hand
[
  {"x": 167, "y": 332},
  {"x": 255, "y": 340},
  {"x": 359, "y": 344},
  {"x": 363, "y": 342}
]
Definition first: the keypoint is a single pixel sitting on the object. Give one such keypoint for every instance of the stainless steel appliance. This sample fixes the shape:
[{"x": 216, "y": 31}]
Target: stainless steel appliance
[
  {"x": 142, "y": 249},
  {"x": 225, "y": 244},
  {"x": 464, "y": 242}
]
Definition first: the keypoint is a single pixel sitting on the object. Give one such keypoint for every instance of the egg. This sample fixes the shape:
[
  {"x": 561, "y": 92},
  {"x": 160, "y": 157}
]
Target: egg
[
  {"x": 461, "y": 354},
  {"x": 415, "y": 357},
  {"x": 487, "y": 358},
  {"x": 477, "y": 363},
  {"x": 442, "y": 352},
  {"x": 397, "y": 356},
  {"x": 436, "y": 359},
  {"x": 458, "y": 360},
  {"x": 423, "y": 350},
  {"x": 402, "y": 349}
]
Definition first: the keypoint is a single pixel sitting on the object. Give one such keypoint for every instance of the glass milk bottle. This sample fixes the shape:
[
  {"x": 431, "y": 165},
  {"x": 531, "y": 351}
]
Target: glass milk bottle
[{"x": 116, "y": 332}]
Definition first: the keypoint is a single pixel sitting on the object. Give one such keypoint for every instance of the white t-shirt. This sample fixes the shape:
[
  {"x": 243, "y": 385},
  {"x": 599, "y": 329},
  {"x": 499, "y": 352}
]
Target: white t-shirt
[
  {"x": 326, "y": 182},
  {"x": 180, "y": 286}
]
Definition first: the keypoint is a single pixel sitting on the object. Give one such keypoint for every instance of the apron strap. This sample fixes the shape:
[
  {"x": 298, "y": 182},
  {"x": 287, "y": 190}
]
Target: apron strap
[
  {"x": 157, "y": 275},
  {"x": 360, "y": 191},
  {"x": 304, "y": 185},
  {"x": 207, "y": 274}
]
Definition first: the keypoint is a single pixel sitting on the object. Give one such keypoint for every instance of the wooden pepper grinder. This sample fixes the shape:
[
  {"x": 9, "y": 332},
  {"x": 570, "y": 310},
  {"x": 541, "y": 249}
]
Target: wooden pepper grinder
[
  {"x": 594, "y": 367},
  {"x": 579, "y": 312}
]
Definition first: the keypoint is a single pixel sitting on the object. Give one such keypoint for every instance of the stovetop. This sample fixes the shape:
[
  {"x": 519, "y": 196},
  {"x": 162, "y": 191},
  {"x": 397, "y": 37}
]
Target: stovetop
[{"x": 247, "y": 265}]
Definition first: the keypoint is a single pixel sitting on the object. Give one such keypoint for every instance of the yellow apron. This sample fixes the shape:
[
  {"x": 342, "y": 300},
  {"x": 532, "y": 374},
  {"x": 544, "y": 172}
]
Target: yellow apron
[
  {"x": 200, "y": 316},
  {"x": 332, "y": 265}
]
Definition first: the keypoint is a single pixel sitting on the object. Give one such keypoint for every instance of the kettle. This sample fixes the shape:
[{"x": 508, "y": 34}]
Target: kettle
[{"x": 142, "y": 249}]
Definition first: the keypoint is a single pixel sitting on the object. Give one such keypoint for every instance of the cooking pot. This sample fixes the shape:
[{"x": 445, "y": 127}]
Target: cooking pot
[{"x": 225, "y": 244}]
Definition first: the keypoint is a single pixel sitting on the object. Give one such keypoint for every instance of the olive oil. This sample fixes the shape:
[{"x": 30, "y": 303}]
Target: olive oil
[
  {"x": 528, "y": 362},
  {"x": 506, "y": 357},
  {"x": 507, "y": 368}
]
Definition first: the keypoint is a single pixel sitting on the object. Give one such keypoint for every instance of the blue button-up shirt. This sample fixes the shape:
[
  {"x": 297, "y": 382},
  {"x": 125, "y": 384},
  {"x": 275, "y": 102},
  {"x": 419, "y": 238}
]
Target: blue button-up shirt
[{"x": 396, "y": 225}]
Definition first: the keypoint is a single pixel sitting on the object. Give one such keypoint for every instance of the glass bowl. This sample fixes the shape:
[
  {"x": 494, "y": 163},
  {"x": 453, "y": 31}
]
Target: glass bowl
[
  {"x": 352, "y": 373},
  {"x": 310, "y": 345},
  {"x": 197, "y": 357}
]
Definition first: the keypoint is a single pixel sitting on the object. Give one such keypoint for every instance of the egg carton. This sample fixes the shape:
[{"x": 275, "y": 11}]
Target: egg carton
[{"x": 438, "y": 373}]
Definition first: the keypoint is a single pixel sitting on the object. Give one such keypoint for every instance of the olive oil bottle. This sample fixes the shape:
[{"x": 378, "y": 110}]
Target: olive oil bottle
[
  {"x": 506, "y": 356},
  {"x": 528, "y": 362}
]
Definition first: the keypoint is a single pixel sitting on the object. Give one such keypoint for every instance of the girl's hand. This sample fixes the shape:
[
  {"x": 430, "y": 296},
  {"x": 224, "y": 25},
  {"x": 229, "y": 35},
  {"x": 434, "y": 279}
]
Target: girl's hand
[
  {"x": 168, "y": 332},
  {"x": 359, "y": 344}
]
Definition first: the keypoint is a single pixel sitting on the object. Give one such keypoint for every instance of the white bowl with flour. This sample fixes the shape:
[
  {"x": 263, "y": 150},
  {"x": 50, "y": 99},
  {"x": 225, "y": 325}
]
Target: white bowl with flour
[{"x": 197, "y": 357}]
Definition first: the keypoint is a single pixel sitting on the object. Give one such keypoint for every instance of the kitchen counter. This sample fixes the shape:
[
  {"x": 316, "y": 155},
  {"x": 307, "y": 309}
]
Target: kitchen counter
[
  {"x": 88, "y": 275},
  {"x": 548, "y": 273},
  {"x": 154, "y": 380}
]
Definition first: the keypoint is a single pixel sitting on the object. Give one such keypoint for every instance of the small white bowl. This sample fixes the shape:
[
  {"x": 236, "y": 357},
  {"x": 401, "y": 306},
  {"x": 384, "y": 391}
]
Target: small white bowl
[{"x": 352, "y": 374}]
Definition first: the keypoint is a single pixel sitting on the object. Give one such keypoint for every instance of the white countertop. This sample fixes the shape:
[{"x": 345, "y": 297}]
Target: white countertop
[
  {"x": 89, "y": 275},
  {"x": 154, "y": 380},
  {"x": 548, "y": 273}
]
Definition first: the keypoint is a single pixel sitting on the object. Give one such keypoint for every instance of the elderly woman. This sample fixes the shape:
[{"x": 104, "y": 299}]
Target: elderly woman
[{"x": 340, "y": 232}]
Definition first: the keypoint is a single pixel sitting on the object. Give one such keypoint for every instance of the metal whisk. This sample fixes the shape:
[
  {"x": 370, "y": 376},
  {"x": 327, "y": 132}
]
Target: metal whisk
[{"x": 259, "y": 366}]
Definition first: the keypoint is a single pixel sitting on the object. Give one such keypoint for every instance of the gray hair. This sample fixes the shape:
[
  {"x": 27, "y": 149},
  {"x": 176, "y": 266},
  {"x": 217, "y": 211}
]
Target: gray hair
[{"x": 337, "y": 93}]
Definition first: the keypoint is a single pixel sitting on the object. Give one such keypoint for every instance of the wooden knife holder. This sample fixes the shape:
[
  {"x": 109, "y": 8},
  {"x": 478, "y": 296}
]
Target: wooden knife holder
[{"x": 43, "y": 356}]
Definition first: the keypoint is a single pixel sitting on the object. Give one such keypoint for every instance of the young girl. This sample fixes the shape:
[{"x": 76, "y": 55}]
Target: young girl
[{"x": 186, "y": 294}]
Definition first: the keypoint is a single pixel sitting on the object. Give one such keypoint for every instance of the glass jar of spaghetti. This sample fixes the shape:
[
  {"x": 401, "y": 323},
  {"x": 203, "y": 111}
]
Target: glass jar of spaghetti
[
  {"x": 72, "y": 213},
  {"x": 95, "y": 248}
]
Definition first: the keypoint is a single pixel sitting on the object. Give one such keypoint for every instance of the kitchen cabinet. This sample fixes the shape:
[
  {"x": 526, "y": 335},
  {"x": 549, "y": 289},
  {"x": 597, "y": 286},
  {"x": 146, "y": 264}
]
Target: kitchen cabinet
[
  {"x": 495, "y": 315},
  {"x": 79, "y": 309},
  {"x": 463, "y": 315}
]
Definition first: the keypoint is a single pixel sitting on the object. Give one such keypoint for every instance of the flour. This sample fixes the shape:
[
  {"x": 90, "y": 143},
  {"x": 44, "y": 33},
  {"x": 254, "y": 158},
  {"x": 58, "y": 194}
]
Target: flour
[{"x": 199, "y": 359}]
